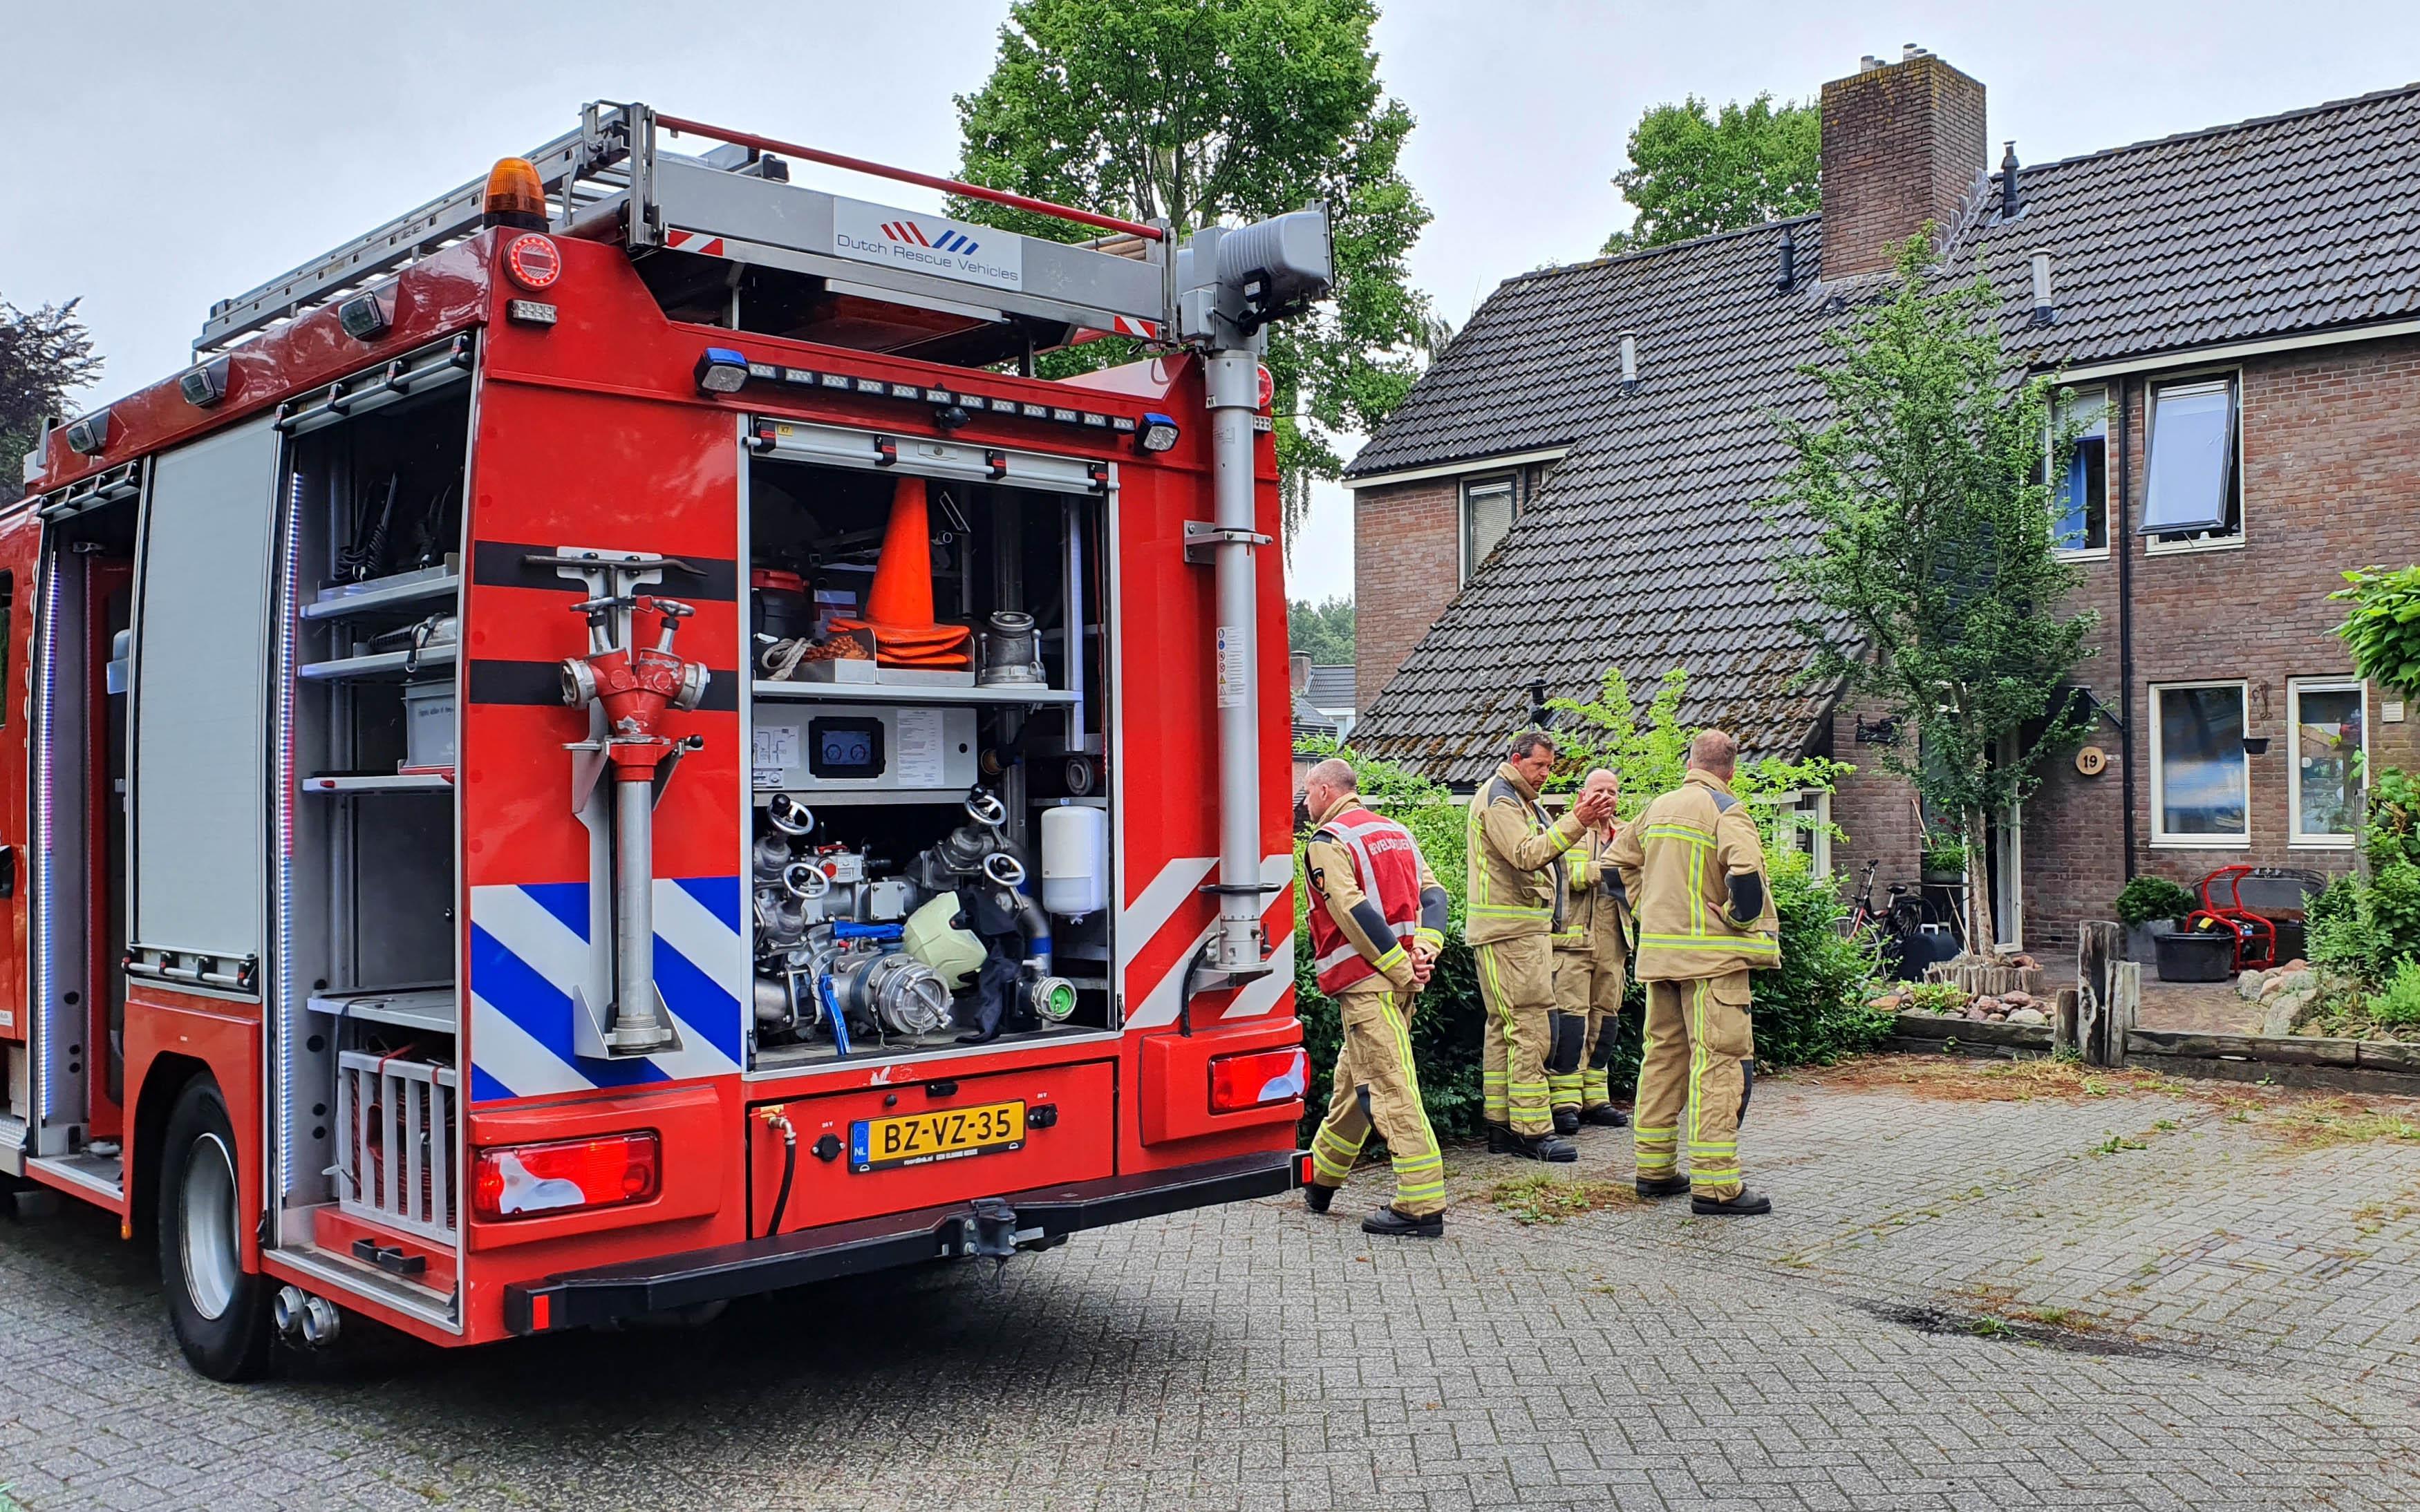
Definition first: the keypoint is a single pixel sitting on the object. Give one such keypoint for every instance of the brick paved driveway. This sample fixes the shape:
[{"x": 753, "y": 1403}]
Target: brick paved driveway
[{"x": 1961, "y": 1306}]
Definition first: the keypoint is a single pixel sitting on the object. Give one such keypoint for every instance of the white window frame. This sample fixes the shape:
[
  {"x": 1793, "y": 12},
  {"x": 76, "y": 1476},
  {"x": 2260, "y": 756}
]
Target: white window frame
[
  {"x": 1512, "y": 483},
  {"x": 1816, "y": 842},
  {"x": 2050, "y": 455},
  {"x": 2295, "y": 688},
  {"x": 2152, "y": 545},
  {"x": 2160, "y": 838}
]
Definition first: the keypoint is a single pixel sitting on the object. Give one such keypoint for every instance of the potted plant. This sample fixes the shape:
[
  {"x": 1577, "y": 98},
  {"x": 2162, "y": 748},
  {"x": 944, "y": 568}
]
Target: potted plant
[
  {"x": 2151, "y": 907},
  {"x": 1944, "y": 861}
]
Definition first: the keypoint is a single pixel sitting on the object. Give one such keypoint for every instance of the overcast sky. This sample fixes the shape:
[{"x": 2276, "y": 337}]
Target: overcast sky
[{"x": 164, "y": 155}]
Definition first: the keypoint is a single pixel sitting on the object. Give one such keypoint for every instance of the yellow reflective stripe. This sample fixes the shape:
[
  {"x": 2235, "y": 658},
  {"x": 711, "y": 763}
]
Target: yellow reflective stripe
[
  {"x": 1680, "y": 832},
  {"x": 1509, "y": 910},
  {"x": 1432, "y": 937},
  {"x": 1393, "y": 957},
  {"x": 1757, "y": 942}
]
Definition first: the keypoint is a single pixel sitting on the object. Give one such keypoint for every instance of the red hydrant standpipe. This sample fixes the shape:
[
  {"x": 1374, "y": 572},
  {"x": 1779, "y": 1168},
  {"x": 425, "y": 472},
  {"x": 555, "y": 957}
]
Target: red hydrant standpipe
[{"x": 635, "y": 685}]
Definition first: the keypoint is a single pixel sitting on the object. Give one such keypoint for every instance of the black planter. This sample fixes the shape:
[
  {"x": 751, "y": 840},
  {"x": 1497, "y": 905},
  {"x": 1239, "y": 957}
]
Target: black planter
[{"x": 2198, "y": 955}]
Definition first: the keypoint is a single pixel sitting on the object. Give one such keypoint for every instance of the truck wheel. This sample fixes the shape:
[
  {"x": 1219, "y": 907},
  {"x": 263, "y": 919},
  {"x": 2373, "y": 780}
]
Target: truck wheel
[{"x": 219, "y": 1310}]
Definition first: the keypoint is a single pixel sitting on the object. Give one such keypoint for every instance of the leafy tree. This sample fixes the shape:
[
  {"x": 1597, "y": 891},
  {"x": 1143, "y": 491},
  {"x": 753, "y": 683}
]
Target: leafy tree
[
  {"x": 1201, "y": 110},
  {"x": 2383, "y": 627},
  {"x": 1325, "y": 630},
  {"x": 1692, "y": 172},
  {"x": 1931, "y": 568},
  {"x": 45, "y": 355}
]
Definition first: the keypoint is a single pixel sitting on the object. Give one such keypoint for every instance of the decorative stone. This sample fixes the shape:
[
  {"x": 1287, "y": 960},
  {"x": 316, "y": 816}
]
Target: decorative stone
[
  {"x": 2247, "y": 986},
  {"x": 2028, "y": 1015}
]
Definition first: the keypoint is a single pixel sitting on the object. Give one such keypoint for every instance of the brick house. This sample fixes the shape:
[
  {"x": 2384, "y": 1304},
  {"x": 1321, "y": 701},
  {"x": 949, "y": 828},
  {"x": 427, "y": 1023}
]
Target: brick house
[{"x": 1581, "y": 479}]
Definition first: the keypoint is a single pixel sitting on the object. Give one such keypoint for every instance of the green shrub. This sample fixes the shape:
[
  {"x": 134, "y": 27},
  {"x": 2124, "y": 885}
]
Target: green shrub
[
  {"x": 1810, "y": 1011},
  {"x": 2399, "y": 1004},
  {"x": 1938, "y": 996},
  {"x": 1944, "y": 858},
  {"x": 2366, "y": 931},
  {"x": 2145, "y": 899}
]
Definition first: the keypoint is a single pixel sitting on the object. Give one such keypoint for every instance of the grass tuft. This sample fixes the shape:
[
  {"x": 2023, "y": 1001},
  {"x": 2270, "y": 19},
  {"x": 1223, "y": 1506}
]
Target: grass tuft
[{"x": 1541, "y": 1199}]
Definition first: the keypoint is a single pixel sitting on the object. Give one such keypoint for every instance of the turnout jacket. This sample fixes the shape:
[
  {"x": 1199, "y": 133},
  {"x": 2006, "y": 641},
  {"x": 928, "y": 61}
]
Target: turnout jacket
[
  {"x": 1515, "y": 889},
  {"x": 1676, "y": 863},
  {"x": 1374, "y": 896},
  {"x": 1594, "y": 916}
]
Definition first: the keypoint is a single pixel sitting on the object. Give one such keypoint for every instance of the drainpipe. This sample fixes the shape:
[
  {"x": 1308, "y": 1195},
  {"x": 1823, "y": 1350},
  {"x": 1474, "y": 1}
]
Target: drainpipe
[
  {"x": 1234, "y": 384},
  {"x": 2122, "y": 541}
]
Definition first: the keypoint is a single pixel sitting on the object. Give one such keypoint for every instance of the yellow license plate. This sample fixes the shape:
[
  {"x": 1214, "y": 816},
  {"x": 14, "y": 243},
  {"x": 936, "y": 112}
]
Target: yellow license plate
[{"x": 920, "y": 1138}]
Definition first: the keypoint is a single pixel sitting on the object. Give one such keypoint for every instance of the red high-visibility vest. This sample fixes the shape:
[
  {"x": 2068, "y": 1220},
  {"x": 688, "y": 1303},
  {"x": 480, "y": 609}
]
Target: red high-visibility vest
[{"x": 1387, "y": 868}]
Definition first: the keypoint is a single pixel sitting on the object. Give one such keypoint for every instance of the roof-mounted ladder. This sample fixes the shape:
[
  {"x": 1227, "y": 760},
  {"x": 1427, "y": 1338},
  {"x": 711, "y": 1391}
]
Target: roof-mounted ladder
[{"x": 612, "y": 180}]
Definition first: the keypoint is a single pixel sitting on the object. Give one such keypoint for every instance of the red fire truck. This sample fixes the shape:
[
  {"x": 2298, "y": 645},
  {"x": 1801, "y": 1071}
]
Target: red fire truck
[{"x": 609, "y": 747}]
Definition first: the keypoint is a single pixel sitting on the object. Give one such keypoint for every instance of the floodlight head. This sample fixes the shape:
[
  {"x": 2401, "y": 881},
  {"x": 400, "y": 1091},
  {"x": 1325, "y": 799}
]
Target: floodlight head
[{"x": 1278, "y": 265}]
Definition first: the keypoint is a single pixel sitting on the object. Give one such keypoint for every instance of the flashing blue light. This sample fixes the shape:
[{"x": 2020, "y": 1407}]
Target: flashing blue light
[{"x": 722, "y": 371}]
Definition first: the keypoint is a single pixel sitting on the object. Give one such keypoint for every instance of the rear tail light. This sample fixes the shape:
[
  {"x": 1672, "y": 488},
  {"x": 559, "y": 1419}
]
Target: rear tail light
[
  {"x": 528, "y": 1180},
  {"x": 1258, "y": 1078}
]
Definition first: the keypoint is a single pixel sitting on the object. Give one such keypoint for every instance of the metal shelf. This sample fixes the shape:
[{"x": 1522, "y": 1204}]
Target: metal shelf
[
  {"x": 420, "y": 1006},
  {"x": 383, "y": 592},
  {"x": 902, "y": 693},
  {"x": 395, "y": 782},
  {"x": 376, "y": 664}
]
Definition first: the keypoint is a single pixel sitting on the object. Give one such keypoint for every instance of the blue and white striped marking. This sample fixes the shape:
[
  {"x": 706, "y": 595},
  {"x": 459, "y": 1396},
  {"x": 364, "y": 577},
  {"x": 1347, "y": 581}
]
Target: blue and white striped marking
[{"x": 530, "y": 951}]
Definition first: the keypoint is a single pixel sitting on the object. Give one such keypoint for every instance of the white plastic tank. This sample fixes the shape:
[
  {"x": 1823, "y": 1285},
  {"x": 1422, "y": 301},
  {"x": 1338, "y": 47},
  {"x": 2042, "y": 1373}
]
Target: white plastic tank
[{"x": 1075, "y": 860}]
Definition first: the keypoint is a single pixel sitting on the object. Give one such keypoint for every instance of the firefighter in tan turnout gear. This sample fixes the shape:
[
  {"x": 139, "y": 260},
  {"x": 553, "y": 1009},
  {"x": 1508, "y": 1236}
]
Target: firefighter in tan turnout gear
[
  {"x": 1693, "y": 869},
  {"x": 1514, "y": 907},
  {"x": 1591, "y": 951},
  {"x": 1377, "y": 918}
]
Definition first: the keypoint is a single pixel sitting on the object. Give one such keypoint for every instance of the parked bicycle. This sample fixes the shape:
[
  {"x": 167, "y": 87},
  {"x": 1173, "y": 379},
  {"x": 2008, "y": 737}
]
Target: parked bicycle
[{"x": 1909, "y": 932}]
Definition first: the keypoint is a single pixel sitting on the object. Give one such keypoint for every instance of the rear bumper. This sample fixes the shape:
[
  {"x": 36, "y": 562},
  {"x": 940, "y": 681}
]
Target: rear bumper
[{"x": 579, "y": 1298}]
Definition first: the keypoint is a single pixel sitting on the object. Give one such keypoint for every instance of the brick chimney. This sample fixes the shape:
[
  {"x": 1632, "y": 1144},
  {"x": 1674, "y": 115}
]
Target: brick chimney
[
  {"x": 1902, "y": 142},
  {"x": 1298, "y": 670}
]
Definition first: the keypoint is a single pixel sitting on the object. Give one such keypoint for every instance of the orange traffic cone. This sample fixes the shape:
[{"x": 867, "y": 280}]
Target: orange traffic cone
[{"x": 899, "y": 609}]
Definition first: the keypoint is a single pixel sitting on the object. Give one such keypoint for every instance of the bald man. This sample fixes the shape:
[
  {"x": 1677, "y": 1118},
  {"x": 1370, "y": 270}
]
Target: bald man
[
  {"x": 1693, "y": 869},
  {"x": 1377, "y": 918}
]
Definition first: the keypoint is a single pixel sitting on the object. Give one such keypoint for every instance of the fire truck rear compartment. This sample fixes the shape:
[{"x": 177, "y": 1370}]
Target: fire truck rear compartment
[
  {"x": 368, "y": 1112},
  {"x": 928, "y": 857}
]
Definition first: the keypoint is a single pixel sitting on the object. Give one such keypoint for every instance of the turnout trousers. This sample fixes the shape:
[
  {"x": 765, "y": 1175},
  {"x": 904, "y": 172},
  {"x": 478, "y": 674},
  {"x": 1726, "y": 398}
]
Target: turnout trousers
[
  {"x": 1585, "y": 991},
  {"x": 1693, "y": 1081},
  {"x": 1517, "y": 982},
  {"x": 1376, "y": 1086}
]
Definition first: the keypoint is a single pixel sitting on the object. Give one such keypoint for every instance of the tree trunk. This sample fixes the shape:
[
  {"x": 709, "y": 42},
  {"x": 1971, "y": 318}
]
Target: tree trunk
[{"x": 1979, "y": 931}]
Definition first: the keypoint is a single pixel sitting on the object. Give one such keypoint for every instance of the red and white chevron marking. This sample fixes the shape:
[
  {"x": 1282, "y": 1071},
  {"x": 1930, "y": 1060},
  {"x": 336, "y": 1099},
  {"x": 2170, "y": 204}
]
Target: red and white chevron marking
[
  {"x": 1127, "y": 325},
  {"x": 697, "y": 241}
]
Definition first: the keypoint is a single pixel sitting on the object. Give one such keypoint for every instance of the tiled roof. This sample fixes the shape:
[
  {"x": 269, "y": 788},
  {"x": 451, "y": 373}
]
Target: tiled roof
[
  {"x": 1651, "y": 545},
  {"x": 2268, "y": 227},
  {"x": 1645, "y": 549},
  {"x": 1330, "y": 686}
]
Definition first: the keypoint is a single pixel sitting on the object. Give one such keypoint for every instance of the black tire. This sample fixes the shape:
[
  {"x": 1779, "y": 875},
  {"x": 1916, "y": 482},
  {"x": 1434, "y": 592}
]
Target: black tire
[{"x": 218, "y": 1310}]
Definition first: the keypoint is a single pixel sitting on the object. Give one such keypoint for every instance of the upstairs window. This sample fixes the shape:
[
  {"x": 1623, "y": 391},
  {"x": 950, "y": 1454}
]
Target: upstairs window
[
  {"x": 1487, "y": 509},
  {"x": 2080, "y": 498},
  {"x": 2194, "y": 492}
]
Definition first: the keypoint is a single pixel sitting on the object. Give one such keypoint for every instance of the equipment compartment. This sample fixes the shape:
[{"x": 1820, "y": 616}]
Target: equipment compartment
[
  {"x": 368, "y": 1018},
  {"x": 926, "y": 662}
]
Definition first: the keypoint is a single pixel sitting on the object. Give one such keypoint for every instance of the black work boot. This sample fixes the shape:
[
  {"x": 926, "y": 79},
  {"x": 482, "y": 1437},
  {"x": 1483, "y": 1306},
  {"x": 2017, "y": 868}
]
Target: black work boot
[
  {"x": 1662, "y": 1186},
  {"x": 1395, "y": 1224},
  {"x": 1316, "y": 1198},
  {"x": 1567, "y": 1121},
  {"x": 1546, "y": 1148},
  {"x": 1501, "y": 1140},
  {"x": 1742, "y": 1203},
  {"x": 1605, "y": 1116}
]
